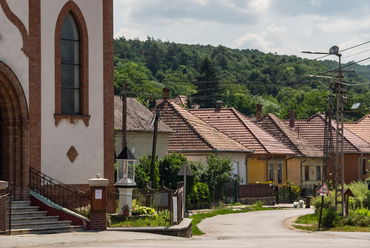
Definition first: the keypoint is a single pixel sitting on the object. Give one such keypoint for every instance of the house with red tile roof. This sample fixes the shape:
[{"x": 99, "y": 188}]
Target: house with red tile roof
[
  {"x": 139, "y": 130},
  {"x": 268, "y": 162},
  {"x": 305, "y": 168},
  {"x": 195, "y": 138},
  {"x": 356, "y": 148},
  {"x": 361, "y": 129}
]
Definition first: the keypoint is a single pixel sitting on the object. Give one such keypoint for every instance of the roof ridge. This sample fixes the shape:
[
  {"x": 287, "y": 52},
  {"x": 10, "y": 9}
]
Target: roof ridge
[
  {"x": 189, "y": 124},
  {"x": 276, "y": 119},
  {"x": 238, "y": 115}
]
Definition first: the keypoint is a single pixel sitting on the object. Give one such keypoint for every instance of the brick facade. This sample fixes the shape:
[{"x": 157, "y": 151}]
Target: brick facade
[{"x": 108, "y": 98}]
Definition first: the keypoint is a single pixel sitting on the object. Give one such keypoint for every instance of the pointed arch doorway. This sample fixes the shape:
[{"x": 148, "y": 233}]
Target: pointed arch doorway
[{"x": 14, "y": 133}]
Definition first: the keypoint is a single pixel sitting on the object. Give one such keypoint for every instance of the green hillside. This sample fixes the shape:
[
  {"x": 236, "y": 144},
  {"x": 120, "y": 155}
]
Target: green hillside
[{"x": 240, "y": 78}]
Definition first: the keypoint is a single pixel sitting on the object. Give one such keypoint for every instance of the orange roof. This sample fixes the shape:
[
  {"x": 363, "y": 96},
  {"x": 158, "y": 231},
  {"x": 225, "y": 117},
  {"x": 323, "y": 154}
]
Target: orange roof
[
  {"x": 312, "y": 129},
  {"x": 286, "y": 135},
  {"x": 360, "y": 127},
  {"x": 192, "y": 134},
  {"x": 240, "y": 128}
]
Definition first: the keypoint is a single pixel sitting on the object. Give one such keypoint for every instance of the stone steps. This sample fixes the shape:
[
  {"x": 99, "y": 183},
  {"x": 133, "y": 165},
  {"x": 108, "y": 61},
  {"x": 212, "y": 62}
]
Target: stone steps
[{"x": 29, "y": 219}]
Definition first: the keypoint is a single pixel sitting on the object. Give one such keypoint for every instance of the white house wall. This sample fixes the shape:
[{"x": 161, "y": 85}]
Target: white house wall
[
  {"x": 57, "y": 140},
  {"x": 141, "y": 143},
  {"x": 12, "y": 43},
  {"x": 235, "y": 157}
]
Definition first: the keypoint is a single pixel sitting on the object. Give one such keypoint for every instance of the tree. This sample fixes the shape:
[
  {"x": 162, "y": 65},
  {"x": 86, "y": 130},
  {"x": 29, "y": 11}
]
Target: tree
[
  {"x": 208, "y": 90},
  {"x": 169, "y": 166},
  {"x": 142, "y": 173}
]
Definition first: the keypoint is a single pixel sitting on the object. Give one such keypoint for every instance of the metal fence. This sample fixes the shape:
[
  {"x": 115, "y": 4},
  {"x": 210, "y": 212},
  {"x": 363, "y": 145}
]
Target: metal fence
[
  {"x": 59, "y": 193},
  {"x": 146, "y": 205},
  {"x": 287, "y": 194},
  {"x": 6, "y": 211}
]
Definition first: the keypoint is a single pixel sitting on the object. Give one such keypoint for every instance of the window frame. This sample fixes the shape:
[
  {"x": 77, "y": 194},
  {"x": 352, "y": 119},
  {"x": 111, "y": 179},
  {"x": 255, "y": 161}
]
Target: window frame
[
  {"x": 84, "y": 115},
  {"x": 271, "y": 171},
  {"x": 280, "y": 172}
]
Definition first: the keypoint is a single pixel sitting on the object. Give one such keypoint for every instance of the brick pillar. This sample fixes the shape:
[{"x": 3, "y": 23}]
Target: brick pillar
[
  {"x": 98, "y": 215},
  {"x": 3, "y": 222}
]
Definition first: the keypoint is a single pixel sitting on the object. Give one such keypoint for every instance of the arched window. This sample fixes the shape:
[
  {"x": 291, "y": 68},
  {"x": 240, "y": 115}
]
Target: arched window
[{"x": 70, "y": 66}]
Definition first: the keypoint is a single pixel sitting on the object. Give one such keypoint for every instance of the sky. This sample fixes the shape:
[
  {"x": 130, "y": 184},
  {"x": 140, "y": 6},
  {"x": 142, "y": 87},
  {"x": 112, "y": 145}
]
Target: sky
[{"x": 277, "y": 26}]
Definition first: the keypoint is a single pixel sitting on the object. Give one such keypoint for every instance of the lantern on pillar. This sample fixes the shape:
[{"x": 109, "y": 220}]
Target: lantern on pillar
[{"x": 125, "y": 178}]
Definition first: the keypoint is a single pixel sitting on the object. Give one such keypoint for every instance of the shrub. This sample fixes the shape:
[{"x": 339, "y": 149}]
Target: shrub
[
  {"x": 200, "y": 194},
  {"x": 149, "y": 212},
  {"x": 329, "y": 217}
]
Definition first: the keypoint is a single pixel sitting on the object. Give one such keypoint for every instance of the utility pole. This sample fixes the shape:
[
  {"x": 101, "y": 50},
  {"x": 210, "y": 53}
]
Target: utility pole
[
  {"x": 154, "y": 148},
  {"x": 339, "y": 142},
  {"x": 123, "y": 97}
]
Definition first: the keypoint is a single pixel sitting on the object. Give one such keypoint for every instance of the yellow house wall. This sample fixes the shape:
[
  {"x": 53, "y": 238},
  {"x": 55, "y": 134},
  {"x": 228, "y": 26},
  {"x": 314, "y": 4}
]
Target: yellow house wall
[
  {"x": 258, "y": 170},
  {"x": 311, "y": 163},
  {"x": 294, "y": 170}
]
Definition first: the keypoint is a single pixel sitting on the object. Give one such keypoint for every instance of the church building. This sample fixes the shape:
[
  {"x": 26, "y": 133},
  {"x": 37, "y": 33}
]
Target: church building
[{"x": 56, "y": 91}]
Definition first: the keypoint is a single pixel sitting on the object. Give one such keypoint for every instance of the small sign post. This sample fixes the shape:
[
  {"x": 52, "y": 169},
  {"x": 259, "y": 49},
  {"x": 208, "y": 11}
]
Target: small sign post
[
  {"x": 323, "y": 191},
  {"x": 184, "y": 171}
]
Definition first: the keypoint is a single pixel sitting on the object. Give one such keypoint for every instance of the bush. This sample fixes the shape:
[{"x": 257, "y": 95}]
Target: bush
[
  {"x": 330, "y": 217},
  {"x": 200, "y": 194}
]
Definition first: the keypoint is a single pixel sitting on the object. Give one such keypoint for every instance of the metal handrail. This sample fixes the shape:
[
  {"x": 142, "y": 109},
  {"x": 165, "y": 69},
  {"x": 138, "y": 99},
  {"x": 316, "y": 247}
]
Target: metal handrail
[{"x": 59, "y": 193}]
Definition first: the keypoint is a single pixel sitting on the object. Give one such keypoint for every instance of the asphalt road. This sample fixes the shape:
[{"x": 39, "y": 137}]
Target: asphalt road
[{"x": 253, "y": 229}]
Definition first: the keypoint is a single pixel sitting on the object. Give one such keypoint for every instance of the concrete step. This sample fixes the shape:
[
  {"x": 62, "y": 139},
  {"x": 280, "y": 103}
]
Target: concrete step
[
  {"x": 48, "y": 230},
  {"x": 41, "y": 224},
  {"x": 25, "y": 219},
  {"x": 21, "y": 203},
  {"x": 17, "y": 208},
  {"x": 28, "y": 214}
]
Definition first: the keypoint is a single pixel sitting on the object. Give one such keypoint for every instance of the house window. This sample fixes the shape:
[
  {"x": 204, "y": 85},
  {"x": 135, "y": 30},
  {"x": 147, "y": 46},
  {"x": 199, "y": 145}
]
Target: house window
[
  {"x": 271, "y": 171},
  {"x": 235, "y": 170},
  {"x": 280, "y": 172},
  {"x": 318, "y": 172},
  {"x": 70, "y": 66},
  {"x": 306, "y": 173},
  {"x": 364, "y": 165}
]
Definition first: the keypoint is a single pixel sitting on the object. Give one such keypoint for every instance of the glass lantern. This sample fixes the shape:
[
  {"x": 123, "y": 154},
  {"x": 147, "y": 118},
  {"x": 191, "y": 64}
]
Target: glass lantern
[{"x": 126, "y": 167}]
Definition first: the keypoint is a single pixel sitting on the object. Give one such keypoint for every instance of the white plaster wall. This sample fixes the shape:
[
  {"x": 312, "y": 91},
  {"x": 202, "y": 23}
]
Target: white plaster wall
[
  {"x": 12, "y": 43},
  {"x": 235, "y": 157},
  {"x": 141, "y": 143},
  {"x": 57, "y": 140}
]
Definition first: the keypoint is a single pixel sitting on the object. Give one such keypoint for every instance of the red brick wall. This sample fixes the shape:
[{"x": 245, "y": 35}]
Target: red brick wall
[{"x": 108, "y": 87}]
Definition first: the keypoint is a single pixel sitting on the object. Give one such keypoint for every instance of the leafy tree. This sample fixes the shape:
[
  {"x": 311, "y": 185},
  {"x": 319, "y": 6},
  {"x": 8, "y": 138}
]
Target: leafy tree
[
  {"x": 169, "y": 166},
  {"x": 142, "y": 171}
]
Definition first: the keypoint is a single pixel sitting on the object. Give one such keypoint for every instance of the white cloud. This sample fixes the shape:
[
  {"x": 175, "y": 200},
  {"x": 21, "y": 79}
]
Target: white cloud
[
  {"x": 131, "y": 34},
  {"x": 265, "y": 41}
]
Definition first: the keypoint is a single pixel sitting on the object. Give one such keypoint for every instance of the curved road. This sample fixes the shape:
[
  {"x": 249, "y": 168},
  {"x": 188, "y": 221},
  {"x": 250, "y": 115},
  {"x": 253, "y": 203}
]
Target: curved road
[{"x": 253, "y": 229}]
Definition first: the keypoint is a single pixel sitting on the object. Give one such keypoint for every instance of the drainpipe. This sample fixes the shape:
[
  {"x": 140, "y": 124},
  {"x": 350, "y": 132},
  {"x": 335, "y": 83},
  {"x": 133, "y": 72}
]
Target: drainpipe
[
  {"x": 359, "y": 166},
  {"x": 305, "y": 159},
  {"x": 246, "y": 166}
]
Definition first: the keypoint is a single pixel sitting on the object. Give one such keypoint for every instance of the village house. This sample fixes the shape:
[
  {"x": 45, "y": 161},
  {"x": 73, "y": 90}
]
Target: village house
[
  {"x": 356, "y": 149},
  {"x": 195, "y": 139},
  {"x": 305, "y": 168},
  {"x": 268, "y": 162},
  {"x": 139, "y": 129},
  {"x": 56, "y": 92}
]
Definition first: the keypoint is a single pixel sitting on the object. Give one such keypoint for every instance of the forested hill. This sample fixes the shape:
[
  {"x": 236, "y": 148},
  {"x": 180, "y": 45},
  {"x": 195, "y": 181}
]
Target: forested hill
[{"x": 240, "y": 78}]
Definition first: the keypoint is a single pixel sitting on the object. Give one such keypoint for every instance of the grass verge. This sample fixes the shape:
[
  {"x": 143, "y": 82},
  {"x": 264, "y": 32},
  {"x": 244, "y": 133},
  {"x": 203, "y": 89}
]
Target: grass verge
[{"x": 310, "y": 222}]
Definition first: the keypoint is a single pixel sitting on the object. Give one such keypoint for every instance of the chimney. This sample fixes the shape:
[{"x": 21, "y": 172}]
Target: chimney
[
  {"x": 259, "y": 111},
  {"x": 291, "y": 120},
  {"x": 166, "y": 94},
  {"x": 219, "y": 105}
]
